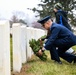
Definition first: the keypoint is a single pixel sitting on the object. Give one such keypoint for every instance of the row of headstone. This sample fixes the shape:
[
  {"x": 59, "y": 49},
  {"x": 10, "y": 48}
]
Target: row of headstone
[{"x": 21, "y": 48}]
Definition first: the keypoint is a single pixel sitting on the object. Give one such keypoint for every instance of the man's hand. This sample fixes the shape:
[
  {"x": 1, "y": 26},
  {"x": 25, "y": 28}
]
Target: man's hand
[{"x": 40, "y": 53}]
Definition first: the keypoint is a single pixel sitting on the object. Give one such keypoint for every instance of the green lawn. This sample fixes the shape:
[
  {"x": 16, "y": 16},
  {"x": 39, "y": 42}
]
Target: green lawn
[
  {"x": 38, "y": 67},
  {"x": 11, "y": 53}
]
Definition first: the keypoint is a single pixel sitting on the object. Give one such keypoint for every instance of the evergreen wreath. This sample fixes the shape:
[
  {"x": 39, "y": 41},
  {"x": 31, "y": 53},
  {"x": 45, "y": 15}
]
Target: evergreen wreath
[{"x": 36, "y": 45}]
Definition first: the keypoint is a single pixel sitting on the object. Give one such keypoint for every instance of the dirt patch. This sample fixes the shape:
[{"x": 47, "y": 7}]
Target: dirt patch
[
  {"x": 24, "y": 68},
  {"x": 23, "y": 71}
]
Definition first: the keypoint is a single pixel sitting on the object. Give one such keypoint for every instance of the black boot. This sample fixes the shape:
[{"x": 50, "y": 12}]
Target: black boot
[{"x": 59, "y": 62}]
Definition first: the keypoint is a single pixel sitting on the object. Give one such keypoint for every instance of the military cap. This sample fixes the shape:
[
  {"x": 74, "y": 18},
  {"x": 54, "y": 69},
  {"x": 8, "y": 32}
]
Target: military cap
[{"x": 45, "y": 19}]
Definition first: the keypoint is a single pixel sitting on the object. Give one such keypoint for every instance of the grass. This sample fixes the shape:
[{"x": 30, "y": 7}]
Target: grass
[
  {"x": 38, "y": 67},
  {"x": 11, "y": 53}
]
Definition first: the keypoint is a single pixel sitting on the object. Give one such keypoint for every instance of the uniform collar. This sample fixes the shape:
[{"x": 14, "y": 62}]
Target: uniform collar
[{"x": 52, "y": 25}]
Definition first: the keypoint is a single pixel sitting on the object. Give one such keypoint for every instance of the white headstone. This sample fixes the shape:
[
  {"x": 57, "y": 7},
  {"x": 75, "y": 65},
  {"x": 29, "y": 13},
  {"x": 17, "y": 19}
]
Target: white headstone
[
  {"x": 4, "y": 48},
  {"x": 30, "y": 35},
  {"x": 23, "y": 43},
  {"x": 17, "y": 61}
]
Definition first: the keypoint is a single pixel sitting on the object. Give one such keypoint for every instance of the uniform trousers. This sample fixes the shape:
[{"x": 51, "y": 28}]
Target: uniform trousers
[{"x": 62, "y": 45}]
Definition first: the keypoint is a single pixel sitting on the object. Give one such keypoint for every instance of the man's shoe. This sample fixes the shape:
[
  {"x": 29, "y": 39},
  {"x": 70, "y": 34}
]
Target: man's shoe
[{"x": 59, "y": 62}]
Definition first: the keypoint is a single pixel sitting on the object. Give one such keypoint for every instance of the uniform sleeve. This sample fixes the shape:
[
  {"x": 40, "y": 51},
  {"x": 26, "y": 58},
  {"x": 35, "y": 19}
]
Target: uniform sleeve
[{"x": 52, "y": 38}]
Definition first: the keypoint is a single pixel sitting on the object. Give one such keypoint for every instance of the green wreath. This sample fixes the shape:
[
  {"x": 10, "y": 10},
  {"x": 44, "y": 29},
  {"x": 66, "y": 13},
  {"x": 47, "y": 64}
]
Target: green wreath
[{"x": 36, "y": 45}]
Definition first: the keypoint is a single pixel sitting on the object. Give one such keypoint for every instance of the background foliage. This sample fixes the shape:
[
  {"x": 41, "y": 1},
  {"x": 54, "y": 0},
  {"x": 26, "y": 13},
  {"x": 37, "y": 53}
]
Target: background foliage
[{"x": 46, "y": 8}]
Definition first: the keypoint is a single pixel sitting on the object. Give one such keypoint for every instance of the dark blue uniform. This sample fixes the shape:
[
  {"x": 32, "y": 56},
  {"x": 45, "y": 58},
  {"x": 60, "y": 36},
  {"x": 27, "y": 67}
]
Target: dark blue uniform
[{"x": 63, "y": 39}]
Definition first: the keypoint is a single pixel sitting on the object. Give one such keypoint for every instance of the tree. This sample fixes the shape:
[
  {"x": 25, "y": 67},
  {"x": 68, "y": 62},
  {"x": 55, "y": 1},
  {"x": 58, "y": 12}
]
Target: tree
[
  {"x": 47, "y": 8},
  {"x": 37, "y": 25},
  {"x": 22, "y": 21},
  {"x": 18, "y": 17},
  {"x": 15, "y": 19}
]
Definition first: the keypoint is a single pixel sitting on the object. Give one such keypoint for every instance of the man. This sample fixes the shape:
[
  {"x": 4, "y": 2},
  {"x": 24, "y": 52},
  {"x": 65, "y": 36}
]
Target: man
[
  {"x": 61, "y": 19},
  {"x": 61, "y": 38}
]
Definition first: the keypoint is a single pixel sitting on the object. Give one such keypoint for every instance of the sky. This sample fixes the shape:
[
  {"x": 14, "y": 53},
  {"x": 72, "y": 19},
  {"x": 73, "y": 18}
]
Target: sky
[{"x": 8, "y": 6}]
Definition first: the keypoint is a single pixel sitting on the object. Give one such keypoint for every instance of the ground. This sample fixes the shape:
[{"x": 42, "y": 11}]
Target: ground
[
  {"x": 37, "y": 67},
  {"x": 23, "y": 71}
]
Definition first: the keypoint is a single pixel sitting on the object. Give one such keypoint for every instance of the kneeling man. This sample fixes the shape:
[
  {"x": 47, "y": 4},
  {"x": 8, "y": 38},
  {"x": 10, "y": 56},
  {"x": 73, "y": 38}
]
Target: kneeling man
[{"x": 60, "y": 40}]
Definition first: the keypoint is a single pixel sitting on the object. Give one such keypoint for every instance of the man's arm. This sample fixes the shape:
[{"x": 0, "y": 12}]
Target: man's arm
[{"x": 52, "y": 38}]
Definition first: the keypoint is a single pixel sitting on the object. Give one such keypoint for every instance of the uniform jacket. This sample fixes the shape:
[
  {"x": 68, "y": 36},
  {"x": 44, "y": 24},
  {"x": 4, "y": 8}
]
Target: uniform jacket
[
  {"x": 61, "y": 18},
  {"x": 59, "y": 32}
]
